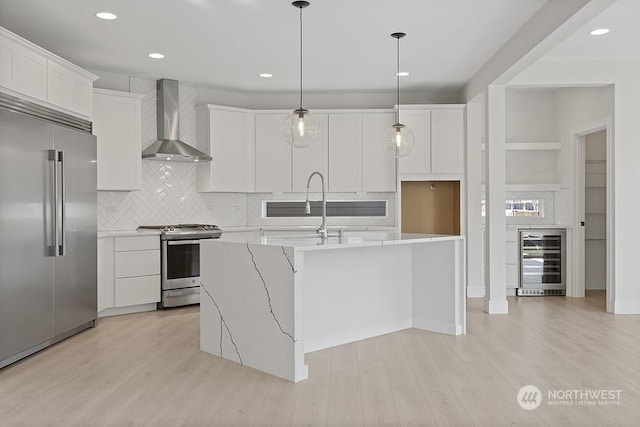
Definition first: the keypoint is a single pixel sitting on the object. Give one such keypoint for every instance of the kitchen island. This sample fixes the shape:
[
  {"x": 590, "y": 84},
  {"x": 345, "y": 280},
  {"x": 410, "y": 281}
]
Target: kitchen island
[{"x": 266, "y": 300}]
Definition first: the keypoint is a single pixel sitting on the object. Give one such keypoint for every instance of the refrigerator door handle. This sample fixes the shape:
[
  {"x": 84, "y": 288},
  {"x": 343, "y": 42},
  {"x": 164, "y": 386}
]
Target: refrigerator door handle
[
  {"x": 53, "y": 157},
  {"x": 63, "y": 205}
]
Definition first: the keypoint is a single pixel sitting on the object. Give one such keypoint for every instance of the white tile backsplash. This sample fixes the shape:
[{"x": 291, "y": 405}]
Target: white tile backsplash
[{"x": 168, "y": 194}]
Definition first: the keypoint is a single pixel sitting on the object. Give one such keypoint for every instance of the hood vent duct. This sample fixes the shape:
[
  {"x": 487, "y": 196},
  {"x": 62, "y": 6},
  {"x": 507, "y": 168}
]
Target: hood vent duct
[{"x": 168, "y": 146}]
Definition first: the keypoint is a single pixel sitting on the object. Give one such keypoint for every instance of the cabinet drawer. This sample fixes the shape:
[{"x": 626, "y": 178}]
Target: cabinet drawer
[
  {"x": 137, "y": 290},
  {"x": 137, "y": 263},
  {"x": 137, "y": 243}
]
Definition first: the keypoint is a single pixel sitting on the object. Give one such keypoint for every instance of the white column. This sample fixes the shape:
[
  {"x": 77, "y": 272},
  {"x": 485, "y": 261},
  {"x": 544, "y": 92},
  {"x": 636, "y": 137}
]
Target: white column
[
  {"x": 475, "y": 284},
  {"x": 495, "y": 276}
]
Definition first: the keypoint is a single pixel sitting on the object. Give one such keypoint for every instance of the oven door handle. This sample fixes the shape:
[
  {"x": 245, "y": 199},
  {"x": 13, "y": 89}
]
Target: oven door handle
[{"x": 183, "y": 242}]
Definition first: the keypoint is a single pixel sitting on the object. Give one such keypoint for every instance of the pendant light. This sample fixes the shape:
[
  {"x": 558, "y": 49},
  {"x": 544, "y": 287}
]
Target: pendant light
[
  {"x": 398, "y": 139},
  {"x": 301, "y": 128}
]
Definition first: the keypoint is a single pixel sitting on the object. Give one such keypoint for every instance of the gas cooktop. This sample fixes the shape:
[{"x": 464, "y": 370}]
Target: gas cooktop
[{"x": 185, "y": 231}]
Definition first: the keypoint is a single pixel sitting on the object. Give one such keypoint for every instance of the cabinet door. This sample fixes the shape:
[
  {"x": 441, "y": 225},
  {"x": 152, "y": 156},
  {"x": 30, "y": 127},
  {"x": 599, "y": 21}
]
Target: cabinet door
[
  {"x": 105, "y": 274},
  {"x": 419, "y": 159},
  {"x": 345, "y": 152},
  {"x": 68, "y": 89},
  {"x": 230, "y": 143},
  {"x": 447, "y": 141},
  {"x": 32, "y": 74},
  {"x": 8, "y": 64},
  {"x": 305, "y": 161},
  {"x": 378, "y": 167},
  {"x": 273, "y": 155},
  {"x": 117, "y": 123}
]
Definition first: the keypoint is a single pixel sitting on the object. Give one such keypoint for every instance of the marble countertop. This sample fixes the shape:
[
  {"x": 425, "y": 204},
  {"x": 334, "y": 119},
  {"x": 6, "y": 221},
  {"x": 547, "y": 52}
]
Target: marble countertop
[
  {"x": 304, "y": 240},
  {"x": 270, "y": 229},
  {"x": 127, "y": 233}
]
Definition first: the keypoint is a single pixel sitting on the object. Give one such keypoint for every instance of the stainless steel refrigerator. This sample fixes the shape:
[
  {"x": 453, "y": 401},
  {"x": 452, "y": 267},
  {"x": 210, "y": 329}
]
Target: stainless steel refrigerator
[{"x": 48, "y": 240}]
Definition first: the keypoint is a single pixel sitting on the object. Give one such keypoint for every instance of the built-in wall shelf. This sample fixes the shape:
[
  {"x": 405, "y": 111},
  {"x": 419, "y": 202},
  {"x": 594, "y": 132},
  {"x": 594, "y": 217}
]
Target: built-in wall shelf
[
  {"x": 530, "y": 187},
  {"x": 514, "y": 146}
]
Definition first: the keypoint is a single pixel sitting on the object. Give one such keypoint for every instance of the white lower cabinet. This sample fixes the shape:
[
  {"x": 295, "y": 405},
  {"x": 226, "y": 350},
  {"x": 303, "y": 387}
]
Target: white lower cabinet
[{"x": 128, "y": 272}]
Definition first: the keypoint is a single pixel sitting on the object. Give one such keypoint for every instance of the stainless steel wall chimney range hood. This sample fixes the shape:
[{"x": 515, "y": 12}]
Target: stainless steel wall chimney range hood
[{"x": 168, "y": 146}]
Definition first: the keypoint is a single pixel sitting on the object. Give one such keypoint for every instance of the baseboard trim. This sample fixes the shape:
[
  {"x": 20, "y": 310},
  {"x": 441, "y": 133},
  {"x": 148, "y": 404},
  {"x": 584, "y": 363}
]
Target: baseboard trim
[
  {"x": 475, "y": 292},
  {"x": 117, "y": 311},
  {"x": 626, "y": 307},
  {"x": 352, "y": 336},
  {"x": 496, "y": 306},
  {"x": 440, "y": 327}
]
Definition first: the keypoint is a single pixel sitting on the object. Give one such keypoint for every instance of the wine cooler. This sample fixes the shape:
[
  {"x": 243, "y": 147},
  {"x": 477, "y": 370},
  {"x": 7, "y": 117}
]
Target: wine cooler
[{"x": 542, "y": 262}]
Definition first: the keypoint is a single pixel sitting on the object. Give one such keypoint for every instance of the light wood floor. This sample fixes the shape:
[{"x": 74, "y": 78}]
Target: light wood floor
[{"x": 146, "y": 369}]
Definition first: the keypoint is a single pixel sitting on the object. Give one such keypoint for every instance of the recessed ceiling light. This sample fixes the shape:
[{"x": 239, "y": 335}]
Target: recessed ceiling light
[
  {"x": 403, "y": 74},
  {"x": 156, "y": 55},
  {"x": 599, "y": 31},
  {"x": 106, "y": 15},
  {"x": 266, "y": 75}
]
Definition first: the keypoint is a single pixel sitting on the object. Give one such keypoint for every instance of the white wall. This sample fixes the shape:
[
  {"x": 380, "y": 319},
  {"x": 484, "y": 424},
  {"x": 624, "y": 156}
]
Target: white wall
[{"x": 625, "y": 298}]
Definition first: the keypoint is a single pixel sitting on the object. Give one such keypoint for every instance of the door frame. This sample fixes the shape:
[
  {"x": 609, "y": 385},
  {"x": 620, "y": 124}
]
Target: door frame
[{"x": 576, "y": 287}]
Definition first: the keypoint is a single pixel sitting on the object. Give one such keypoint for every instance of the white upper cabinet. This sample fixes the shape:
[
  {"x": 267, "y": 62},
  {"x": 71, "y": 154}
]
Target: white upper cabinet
[
  {"x": 32, "y": 74},
  {"x": 357, "y": 159},
  {"x": 305, "y": 161},
  {"x": 345, "y": 152},
  {"x": 69, "y": 89},
  {"x": 273, "y": 155},
  {"x": 8, "y": 63},
  {"x": 447, "y": 141},
  {"x": 378, "y": 167},
  {"x": 226, "y": 134},
  {"x": 27, "y": 71},
  {"x": 439, "y": 139},
  {"x": 419, "y": 159},
  {"x": 117, "y": 124},
  {"x": 280, "y": 168}
]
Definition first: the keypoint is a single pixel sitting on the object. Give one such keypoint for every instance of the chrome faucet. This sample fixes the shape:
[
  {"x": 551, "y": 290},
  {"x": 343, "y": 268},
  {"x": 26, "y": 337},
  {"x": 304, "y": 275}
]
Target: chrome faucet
[{"x": 322, "y": 230}]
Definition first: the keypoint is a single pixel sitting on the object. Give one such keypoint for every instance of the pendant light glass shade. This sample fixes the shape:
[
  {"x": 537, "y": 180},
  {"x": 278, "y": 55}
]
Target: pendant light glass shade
[
  {"x": 398, "y": 139},
  {"x": 301, "y": 129}
]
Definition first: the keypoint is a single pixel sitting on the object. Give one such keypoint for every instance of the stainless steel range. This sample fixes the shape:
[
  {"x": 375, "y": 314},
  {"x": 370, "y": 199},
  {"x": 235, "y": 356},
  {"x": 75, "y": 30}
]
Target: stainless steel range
[{"x": 180, "y": 262}]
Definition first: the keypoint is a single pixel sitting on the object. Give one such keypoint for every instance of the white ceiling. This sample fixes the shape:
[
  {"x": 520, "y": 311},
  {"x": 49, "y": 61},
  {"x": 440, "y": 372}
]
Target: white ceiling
[
  {"x": 622, "y": 42},
  {"x": 227, "y": 43}
]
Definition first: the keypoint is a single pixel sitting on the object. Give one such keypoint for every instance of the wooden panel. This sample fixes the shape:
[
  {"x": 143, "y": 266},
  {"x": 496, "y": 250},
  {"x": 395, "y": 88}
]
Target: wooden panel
[
  {"x": 137, "y": 263},
  {"x": 433, "y": 211},
  {"x": 137, "y": 290},
  {"x": 137, "y": 243}
]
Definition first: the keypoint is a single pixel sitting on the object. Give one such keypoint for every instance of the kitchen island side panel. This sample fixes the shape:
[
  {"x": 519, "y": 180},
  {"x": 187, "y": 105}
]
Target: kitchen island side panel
[{"x": 247, "y": 307}]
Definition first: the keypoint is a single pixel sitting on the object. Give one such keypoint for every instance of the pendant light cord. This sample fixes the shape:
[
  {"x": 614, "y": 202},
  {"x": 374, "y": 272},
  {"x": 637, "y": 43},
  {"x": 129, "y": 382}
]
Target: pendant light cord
[
  {"x": 301, "y": 58},
  {"x": 398, "y": 80}
]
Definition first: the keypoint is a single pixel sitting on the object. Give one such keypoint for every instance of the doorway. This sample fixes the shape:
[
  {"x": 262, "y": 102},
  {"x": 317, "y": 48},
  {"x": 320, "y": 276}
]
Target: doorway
[
  {"x": 593, "y": 241},
  {"x": 431, "y": 207},
  {"x": 595, "y": 212}
]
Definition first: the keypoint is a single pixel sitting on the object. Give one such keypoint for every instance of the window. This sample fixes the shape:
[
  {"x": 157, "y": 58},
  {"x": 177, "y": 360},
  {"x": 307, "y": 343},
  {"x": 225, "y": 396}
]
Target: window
[{"x": 520, "y": 208}]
